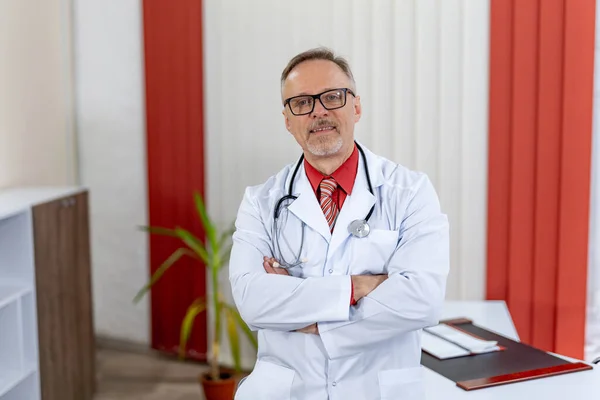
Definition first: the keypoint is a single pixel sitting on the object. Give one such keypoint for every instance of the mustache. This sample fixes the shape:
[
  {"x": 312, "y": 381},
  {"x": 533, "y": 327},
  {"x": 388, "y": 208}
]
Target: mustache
[{"x": 321, "y": 123}]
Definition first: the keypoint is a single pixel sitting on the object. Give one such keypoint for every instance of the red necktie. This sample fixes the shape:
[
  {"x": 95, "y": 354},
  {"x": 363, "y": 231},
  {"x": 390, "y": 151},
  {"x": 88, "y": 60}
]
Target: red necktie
[{"x": 330, "y": 209}]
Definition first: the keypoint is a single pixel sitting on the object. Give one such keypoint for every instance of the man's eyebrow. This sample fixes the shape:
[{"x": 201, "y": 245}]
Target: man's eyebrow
[{"x": 322, "y": 91}]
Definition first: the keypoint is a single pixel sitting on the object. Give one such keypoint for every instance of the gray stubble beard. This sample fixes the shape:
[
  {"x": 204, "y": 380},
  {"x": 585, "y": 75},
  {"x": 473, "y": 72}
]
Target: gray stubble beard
[{"x": 324, "y": 146}]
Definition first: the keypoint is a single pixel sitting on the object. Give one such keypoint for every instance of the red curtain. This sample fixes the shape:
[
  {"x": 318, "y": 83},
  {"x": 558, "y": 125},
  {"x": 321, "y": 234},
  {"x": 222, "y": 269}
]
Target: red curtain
[
  {"x": 540, "y": 128},
  {"x": 175, "y": 158}
]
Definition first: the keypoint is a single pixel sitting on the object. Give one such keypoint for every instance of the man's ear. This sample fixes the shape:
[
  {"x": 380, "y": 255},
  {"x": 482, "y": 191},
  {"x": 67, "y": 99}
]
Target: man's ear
[
  {"x": 286, "y": 120},
  {"x": 357, "y": 109}
]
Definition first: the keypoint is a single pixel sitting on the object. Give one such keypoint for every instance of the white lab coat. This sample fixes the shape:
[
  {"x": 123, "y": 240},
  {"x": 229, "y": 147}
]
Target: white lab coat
[{"x": 365, "y": 352}]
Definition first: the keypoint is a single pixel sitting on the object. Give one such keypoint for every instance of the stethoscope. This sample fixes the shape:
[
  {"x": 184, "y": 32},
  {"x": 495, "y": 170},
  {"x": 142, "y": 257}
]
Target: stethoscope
[{"x": 358, "y": 228}]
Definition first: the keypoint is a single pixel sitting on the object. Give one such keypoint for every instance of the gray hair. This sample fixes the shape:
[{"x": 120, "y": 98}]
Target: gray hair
[{"x": 319, "y": 53}]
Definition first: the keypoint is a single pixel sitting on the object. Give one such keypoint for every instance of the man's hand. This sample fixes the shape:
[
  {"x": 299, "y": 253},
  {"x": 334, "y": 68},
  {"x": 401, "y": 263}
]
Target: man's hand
[
  {"x": 365, "y": 284},
  {"x": 270, "y": 265},
  {"x": 312, "y": 329}
]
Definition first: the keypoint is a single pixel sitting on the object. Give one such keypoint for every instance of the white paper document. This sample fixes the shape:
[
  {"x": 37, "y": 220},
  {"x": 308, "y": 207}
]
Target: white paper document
[{"x": 443, "y": 341}]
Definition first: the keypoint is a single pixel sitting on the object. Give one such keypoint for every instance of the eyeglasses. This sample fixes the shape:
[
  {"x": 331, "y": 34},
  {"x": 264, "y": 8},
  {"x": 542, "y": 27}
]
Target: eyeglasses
[{"x": 331, "y": 100}]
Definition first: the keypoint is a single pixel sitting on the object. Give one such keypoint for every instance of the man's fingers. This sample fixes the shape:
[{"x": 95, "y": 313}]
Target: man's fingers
[
  {"x": 268, "y": 268},
  {"x": 271, "y": 270},
  {"x": 379, "y": 280},
  {"x": 274, "y": 262},
  {"x": 273, "y": 267},
  {"x": 312, "y": 329}
]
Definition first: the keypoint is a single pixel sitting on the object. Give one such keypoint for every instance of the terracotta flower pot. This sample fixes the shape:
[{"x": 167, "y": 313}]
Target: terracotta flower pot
[{"x": 222, "y": 389}]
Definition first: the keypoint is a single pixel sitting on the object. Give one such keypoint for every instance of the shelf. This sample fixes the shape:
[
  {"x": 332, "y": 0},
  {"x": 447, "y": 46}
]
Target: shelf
[
  {"x": 15, "y": 201},
  {"x": 16, "y": 249},
  {"x": 10, "y": 345},
  {"x": 10, "y": 293},
  {"x": 28, "y": 319},
  {"x": 10, "y": 379},
  {"x": 40, "y": 241}
]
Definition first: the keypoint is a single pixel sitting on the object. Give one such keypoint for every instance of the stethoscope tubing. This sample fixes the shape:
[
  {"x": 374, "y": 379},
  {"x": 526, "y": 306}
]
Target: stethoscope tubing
[{"x": 290, "y": 196}]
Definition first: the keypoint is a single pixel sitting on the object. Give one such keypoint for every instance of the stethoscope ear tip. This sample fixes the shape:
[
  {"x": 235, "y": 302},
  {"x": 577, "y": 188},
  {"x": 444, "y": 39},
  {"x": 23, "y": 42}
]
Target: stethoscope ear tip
[{"x": 304, "y": 260}]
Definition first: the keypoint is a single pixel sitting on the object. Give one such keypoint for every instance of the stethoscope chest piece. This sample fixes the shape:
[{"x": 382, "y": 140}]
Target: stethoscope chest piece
[{"x": 359, "y": 228}]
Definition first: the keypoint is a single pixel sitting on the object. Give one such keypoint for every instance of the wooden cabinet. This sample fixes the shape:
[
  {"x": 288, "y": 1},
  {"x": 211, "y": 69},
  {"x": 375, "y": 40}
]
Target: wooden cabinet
[{"x": 59, "y": 243}]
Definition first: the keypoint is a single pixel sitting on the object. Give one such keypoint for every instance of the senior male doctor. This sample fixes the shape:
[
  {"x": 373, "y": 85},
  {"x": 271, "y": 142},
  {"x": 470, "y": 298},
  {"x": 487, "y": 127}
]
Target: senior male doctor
[{"x": 340, "y": 285}]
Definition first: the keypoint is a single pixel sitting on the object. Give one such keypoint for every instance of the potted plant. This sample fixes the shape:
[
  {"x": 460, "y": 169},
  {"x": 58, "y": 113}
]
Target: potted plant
[{"x": 219, "y": 383}]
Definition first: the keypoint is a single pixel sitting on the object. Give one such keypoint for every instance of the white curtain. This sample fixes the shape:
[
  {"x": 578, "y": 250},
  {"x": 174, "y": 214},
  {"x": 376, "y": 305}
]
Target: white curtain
[{"x": 592, "y": 348}]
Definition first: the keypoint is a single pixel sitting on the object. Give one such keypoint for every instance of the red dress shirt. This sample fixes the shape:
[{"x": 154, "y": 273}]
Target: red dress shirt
[{"x": 344, "y": 176}]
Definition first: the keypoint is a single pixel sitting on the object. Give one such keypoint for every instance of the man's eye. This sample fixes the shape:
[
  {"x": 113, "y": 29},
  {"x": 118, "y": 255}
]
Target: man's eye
[{"x": 300, "y": 103}]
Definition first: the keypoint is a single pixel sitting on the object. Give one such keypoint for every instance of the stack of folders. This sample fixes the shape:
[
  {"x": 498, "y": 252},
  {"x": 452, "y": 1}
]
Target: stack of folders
[{"x": 444, "y": 341}]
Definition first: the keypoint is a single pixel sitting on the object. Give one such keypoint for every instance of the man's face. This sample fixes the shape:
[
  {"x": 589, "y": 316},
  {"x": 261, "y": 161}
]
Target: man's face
[{"x": 322, "y": 132}]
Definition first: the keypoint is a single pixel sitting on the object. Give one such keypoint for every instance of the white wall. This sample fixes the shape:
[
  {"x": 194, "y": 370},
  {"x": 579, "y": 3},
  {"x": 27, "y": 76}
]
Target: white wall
[
  {"x": 36, "y": 114},
  {"x": 592, "y": 347},
  {"x": 111, "y": 130},
  {"x": 421, "y": 70}
]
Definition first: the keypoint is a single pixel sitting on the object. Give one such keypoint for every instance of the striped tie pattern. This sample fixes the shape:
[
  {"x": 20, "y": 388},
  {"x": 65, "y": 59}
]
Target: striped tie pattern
[{"x": 330, "y": 209}]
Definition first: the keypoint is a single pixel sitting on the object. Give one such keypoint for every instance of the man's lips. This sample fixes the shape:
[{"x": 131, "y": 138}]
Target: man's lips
[{"x": 322, "y": 129}]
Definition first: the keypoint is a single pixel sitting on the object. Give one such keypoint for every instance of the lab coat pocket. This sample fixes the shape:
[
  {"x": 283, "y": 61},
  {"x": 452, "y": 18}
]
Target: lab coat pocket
[
  {"x": 267, "y": 381},
  {"x": 371, "y": 253},
  {"x": 402, "y": 384}
]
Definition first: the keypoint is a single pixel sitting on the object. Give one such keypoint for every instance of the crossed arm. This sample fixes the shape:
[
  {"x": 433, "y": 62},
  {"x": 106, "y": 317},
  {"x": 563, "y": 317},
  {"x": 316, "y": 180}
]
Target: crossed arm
[
  {"x": 362, "y": 285},
  {"x": 408, "y": 298}
]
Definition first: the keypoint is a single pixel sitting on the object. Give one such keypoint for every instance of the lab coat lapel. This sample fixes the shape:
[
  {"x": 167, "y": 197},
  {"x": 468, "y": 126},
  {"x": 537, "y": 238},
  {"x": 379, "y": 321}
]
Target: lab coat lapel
[
  {"x": 307, "y": 208},
  {"x": 358, "y": 204}
]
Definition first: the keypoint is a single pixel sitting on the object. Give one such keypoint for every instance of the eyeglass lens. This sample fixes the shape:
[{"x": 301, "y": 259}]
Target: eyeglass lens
[{"x": 330, "y": 100}]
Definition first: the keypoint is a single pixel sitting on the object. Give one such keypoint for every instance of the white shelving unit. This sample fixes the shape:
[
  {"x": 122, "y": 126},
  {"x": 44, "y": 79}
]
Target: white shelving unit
[
  {"x": 19, "y": 378},
  {"x": 19, "y": 360}
]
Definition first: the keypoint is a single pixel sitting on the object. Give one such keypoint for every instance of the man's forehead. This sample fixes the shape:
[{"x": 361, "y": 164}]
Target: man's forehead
[{"x": 313, "y": 77}]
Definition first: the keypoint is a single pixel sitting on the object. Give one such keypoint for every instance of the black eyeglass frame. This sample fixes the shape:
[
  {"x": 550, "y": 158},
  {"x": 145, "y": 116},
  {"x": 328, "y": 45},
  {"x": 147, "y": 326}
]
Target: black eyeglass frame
[{"x": 318, "y": 97}]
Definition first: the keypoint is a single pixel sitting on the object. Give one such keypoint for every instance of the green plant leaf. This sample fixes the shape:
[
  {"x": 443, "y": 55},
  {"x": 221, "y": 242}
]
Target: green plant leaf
[
  {"x": 234, "y": 339},
  {"x": 249, "y": 334},
  {"x": 173, "y": 258},
  {"x": 226, "y": 253},
  {"x": 242, "y": 324},
  {"x": 226, "y": 235},
  {"x": 194, "y": 243},
  {"x": 159, "y": 231},
  {"x": 198, "y": 306},
  {"x": 209, "y": 227}
]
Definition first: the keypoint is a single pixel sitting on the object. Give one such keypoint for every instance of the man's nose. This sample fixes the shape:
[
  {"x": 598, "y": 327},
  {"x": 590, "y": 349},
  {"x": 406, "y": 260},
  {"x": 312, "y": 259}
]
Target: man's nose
[{"x": 319, "y": 110}]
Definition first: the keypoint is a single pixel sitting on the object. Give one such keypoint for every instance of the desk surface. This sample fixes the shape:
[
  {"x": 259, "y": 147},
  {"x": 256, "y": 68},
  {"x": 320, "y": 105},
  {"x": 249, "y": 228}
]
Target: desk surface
[{"x": 494, "y": 315}]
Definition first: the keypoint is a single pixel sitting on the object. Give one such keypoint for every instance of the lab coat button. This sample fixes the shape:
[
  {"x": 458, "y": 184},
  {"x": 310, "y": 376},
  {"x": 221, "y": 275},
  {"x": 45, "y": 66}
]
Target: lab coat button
[
  {"x": 331, "y": 271},
  {"x": 333, "y": 383}
]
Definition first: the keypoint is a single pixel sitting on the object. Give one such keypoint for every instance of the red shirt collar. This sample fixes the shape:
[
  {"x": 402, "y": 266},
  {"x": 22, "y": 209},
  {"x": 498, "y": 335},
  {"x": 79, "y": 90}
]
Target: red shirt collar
[{"x": 344, "y": 175}]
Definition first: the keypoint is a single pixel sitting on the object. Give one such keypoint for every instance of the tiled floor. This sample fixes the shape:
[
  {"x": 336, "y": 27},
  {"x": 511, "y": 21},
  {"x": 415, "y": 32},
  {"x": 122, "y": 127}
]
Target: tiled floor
[{"x": 132, "y": 376}]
